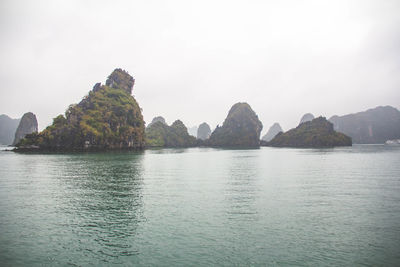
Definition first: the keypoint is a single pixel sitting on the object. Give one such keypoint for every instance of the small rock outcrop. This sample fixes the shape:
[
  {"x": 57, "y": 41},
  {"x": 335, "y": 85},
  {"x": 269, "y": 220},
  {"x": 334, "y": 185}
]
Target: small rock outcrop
[
  {"x": 107, "y": 118},
  {"x": 374, "y": 126},
  {"x": 204, "y": 131},
  {"x": 317, "y": 133},
  {"x": 306, "y": 117},
  {"x": 120, "y": 79},
  {"x": 162, "y": 135},
  {"x": 27, "y": 125},
  {"x": 241, "y": 128},
  {"x": 8, "y": 126},
  {"x": 272, "y": 132},
  {"x": 156, "y": 119}
]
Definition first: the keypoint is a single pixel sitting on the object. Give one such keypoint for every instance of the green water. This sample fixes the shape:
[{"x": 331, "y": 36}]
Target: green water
[{"x": 202, "y": 207}]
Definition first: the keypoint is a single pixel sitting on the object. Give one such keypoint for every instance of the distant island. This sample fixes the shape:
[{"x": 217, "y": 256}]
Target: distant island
[
  {"x": 8, "y": 126},
  {"x": 317, "y": 133},
  {"x": 27, "y": 125},
  {"x": 204, "y": 131},
  {"x": 306, "y": 117},
  {"x": 374, "y": 126},
  {"x": 241, "y": 128},
  {"x": 109, "y": 117},
  {"x": 272, "y": 132},
  {"x": 159, "y": 134}
]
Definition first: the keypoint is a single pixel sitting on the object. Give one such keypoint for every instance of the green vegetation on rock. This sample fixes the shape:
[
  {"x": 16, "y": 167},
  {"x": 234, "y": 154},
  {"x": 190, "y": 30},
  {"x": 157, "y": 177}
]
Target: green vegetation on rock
[
  {"x": 241, "y": 128},
  {"x": 156, "y": 119},
  {"x": 107, "y": 118},
  {"x": 159, "y": 134},
  {"x": 311, "y": 134}
]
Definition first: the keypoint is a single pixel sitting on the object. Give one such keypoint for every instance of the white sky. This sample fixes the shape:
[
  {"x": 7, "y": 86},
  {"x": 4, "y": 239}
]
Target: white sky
[{"x": 192, "y": 60}]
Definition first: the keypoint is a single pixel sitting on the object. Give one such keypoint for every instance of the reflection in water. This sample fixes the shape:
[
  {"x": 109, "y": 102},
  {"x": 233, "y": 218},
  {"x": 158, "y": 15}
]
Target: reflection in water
[
  {"x": 241, "y": 189},
  {"x": 106, "y": 205},
  {"x": 278, "y": 207}
]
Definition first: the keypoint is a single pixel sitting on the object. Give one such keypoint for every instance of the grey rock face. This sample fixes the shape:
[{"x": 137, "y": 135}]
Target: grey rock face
[
  {"x": 306, "y": 117},
  {"x": 8, "y": 126},
  {"x": 192, "y": 131},
  {"x": 27, "y": 125},
  {"x": 272, "y": 132},
  {"x": 204, "y": 131},
  {"x": 373, "y": 126}
]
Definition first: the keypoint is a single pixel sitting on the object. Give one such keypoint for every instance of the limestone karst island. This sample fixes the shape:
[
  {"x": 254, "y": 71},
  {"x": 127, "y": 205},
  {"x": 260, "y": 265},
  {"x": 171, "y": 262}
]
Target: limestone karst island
[
  {"x": 110, "y": 118},
  {"x": 199, "y": 133}
]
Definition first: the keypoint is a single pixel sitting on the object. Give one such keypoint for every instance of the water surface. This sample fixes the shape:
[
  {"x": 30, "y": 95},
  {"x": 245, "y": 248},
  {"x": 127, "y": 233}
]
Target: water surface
[{"x": 269, "y": 206}]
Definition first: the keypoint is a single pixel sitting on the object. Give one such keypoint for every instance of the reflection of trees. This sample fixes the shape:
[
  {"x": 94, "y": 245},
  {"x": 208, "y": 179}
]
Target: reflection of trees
[
  {"x": 107, "y": 202},
  {"x": 241, "y": 190}
]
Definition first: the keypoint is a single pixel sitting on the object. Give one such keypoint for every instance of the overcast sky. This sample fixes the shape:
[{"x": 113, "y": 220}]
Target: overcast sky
[{"x": 192, "y": 60}]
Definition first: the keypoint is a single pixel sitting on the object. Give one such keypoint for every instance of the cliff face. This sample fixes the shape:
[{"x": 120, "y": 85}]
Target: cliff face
[
  {"x": 204, "y": 131},
  {"x": 27, "y": 125},
  {"x": 8, "y": 126},
  {"x": 241, "y": 128},
  {"x": 272, "y": 132},
  {"x": 312, "y": 134},
  {"x": 306, "y": 117},
  {"x": 374, "y": 126},
  {"x": 107, "y": 118},
  {"x": 162, "y": 135}
]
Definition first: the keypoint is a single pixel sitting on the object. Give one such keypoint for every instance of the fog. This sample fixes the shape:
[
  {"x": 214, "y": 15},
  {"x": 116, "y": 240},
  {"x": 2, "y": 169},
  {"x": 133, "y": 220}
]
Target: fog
[{"x": 192, "y": 60}]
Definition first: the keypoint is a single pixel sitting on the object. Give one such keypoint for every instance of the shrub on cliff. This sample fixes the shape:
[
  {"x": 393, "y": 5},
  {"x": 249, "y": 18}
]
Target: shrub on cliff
[
  {"x": 107, "y": 118},
  {"x": 159, "y": 134},
  {"x": 241, "y": 128},
  {"x": 316, "y": 133}
]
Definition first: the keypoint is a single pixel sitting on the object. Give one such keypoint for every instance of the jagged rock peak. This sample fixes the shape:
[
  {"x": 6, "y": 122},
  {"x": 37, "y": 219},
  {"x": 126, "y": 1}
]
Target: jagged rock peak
[
  {"x": 108, "y": 117},
  {"x": 27, "y": 125},
  {"x": 306, "y": 117},
  {"x": 241, "y": 128},
  {"x": 120, "y": 78},
  {"x": 272, "y": 132},
  {"x": 204, "y": 131}
]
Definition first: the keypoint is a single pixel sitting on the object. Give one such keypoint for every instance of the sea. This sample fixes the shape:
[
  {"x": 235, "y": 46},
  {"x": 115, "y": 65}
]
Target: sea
[{"x": 202, "y": 207}]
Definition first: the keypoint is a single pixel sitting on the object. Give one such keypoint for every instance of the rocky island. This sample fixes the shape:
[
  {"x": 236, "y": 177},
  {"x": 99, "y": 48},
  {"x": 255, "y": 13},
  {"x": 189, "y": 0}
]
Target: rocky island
[
  {"x": 8, "y": 126},
  {"x": 374, "y": 126},
  {"x": 204, "y": 131},
  {"x": 241, "y": 128},
  {"x": 306, "y": 117},
  {"x": 107, "y": 118},
  {"x": 27, "y": 125},
  {"x": 159, "y": 134},
  {"x": 317, "y": 133},
  {"x": 156, "y": 119},
  {"x": 272, "y": 132}
]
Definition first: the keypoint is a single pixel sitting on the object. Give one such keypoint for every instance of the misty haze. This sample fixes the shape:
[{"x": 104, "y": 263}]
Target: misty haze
[{"x": 202, "y": 133}]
